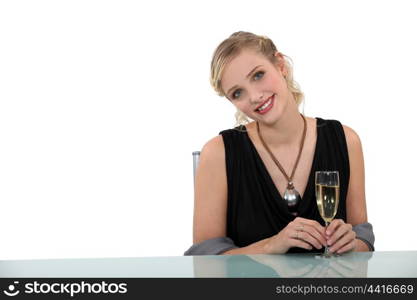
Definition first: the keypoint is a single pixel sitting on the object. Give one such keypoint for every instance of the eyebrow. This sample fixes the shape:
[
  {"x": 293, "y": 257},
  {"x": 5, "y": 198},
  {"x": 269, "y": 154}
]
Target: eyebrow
[{"x": 247, "y": 76}]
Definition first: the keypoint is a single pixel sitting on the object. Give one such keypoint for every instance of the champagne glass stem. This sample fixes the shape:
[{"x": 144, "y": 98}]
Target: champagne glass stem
[{"x": 326, "y": 249}]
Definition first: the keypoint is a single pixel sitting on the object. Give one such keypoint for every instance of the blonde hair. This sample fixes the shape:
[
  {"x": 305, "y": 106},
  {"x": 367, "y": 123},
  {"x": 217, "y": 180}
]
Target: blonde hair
[{"x": 232, "y": 46}]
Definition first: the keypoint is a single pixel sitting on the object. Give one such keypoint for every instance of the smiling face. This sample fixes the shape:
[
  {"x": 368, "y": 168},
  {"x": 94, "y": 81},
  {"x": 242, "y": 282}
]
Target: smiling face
[{"x": 256, "y": 86}]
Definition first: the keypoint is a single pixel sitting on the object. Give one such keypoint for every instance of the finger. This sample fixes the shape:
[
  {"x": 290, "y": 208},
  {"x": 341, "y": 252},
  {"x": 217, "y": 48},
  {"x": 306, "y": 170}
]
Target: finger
[
  {"x": 333, "y": 226},
  {"x": 316, "y": 235},
  {"x": 314, "y": 228},
  {"x": 341, "y": 231},
  {"x": 300, "y": 244},
  {"x": 347, "y": 248},
  {"x": 316, "y": 225},
  {"x": 306, "y": 237},
  {"x": 344, "y": 240}
]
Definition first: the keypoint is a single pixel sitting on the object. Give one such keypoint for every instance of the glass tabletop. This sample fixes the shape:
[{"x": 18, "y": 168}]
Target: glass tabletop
[{"x": 355, "y": 264}]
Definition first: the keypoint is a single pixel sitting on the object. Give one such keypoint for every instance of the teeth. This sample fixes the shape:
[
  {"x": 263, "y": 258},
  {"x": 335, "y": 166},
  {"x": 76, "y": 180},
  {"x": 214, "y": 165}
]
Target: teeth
[{"x": 265, "y": 105}]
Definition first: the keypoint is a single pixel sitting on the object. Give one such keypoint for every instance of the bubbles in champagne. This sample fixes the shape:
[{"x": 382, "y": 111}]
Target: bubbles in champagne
[{"x": 327, "y": 201}]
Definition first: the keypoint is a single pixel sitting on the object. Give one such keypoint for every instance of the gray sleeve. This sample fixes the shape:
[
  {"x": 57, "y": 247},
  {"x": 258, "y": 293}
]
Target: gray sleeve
[
  {"x": 213, "y": 246},
  {"x": 365, "y": 233}
]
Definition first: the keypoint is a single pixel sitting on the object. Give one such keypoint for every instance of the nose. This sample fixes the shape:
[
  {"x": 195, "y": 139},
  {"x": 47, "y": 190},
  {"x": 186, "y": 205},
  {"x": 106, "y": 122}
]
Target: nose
[{"x": 256, "y": 96}]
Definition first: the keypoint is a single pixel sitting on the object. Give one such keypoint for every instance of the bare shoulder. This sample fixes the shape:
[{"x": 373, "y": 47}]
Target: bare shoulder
[
  {"x": 352, "y": 138},
  {"x": 213, "y": 150},
  {"x": 214, "y": 146}
]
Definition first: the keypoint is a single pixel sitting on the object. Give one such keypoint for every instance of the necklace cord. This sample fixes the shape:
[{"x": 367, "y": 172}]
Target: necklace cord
[{"x": 289, "y": 179}]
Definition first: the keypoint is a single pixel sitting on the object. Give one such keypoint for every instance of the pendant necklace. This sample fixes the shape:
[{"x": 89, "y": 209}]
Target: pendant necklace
[{"x": 291, "y": 195}]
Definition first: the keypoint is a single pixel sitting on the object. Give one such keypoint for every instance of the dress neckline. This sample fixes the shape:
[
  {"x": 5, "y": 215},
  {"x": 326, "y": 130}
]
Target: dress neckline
[{"x": 310, "y": 181}]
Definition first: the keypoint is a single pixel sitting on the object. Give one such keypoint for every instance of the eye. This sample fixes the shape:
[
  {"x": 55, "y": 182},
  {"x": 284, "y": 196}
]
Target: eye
[
  {"x": 258, "y": 75},
  {"x": 236, "y": 94}
]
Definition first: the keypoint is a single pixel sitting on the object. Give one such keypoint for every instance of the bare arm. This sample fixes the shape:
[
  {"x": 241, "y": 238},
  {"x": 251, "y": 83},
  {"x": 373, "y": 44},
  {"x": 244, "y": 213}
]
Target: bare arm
[
  {"x": 260, "y": 247},
  {"x": 301, "y": 233},
  {"x": 355, "y": 199},
  {"x": 210, "y": 195},
  {"x": 210, "y": 210}
]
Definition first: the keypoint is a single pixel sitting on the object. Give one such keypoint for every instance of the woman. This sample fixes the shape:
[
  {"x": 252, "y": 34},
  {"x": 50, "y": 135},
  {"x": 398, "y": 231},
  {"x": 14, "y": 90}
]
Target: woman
[{"x": 249, "y": 178}]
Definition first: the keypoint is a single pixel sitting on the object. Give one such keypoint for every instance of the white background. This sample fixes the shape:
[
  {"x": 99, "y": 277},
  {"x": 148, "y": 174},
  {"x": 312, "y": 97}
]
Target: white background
[{"x": 103, "y": 102}]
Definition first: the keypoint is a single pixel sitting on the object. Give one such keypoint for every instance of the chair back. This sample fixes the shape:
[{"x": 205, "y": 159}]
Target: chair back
[{"x": 196, "y": 159}]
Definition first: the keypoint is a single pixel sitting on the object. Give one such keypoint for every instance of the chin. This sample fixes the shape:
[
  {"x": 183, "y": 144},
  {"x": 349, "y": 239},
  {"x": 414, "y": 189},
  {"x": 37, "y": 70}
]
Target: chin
[{"x": 271, "y": 118}]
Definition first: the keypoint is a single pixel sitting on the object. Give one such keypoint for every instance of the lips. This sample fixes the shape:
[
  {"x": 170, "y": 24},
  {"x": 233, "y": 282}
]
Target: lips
[
  {"x": 260, "y": 105},
  {"x": 266, "y": 105}
]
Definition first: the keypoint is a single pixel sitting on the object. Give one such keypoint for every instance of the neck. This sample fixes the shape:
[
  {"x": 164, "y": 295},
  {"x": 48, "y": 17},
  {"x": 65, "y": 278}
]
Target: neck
[{"x": 286, "y": 131}]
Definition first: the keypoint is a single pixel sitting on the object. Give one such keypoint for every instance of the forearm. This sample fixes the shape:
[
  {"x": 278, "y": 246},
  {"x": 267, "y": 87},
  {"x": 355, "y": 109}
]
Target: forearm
[{"x": 260, "y": 247}]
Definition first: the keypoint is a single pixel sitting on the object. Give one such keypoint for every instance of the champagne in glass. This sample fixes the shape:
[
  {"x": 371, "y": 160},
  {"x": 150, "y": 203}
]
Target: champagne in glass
[{"x": 327, "y": 195}]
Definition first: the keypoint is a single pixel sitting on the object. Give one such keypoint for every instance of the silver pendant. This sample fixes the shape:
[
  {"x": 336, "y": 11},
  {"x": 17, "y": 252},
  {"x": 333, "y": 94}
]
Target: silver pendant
[{"x": 292, "y": 197}]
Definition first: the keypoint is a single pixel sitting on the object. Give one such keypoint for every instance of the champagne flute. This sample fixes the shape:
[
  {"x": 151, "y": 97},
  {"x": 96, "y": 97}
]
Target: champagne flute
[{"x": 327, "y": 196}]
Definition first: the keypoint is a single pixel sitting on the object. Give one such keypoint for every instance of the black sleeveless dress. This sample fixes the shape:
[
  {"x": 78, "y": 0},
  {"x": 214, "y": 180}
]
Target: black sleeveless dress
[{"x": 255, "y": 208}]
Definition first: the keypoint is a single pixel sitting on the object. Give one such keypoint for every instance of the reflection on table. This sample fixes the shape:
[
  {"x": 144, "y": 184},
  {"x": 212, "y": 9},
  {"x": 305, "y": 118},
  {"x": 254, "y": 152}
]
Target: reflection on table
[
  {"x": 288, "y": 265},
  {"x": 355, "y": 264}
]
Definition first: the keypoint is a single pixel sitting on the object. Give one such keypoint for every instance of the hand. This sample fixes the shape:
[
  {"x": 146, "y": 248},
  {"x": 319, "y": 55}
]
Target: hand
[
  {"x": 340, "y": 237},
  {"x": 301, "y": 232}
]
